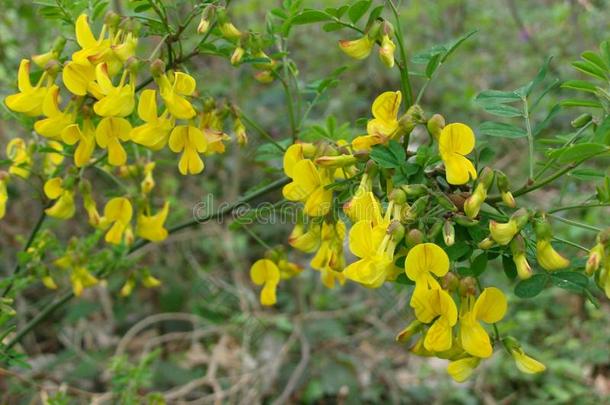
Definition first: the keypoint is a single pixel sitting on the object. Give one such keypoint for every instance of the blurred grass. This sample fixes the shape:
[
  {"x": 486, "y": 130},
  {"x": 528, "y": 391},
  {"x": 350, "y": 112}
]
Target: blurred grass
[{"x": 330, "y": 346}]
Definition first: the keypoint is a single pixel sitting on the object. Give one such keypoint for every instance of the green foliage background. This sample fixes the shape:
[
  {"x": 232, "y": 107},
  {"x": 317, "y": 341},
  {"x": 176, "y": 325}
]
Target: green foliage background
[{"x": 340, "y": 342}]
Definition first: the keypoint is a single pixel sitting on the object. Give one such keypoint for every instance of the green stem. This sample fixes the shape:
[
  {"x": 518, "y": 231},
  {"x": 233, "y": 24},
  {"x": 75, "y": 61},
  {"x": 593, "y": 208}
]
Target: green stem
[
  {"x": 567, "y": 143},
  {"x": 255, "y": 237},
  {"x": 67, "y": 296},
  {"x": 575, "y": 223},
  {"x": 530, "y": 139},
  {"x": 28, "y": 243},
  {"x": 261, "y": 131},
  {"x": 405, "y": 81},
  {"x": 567, "y": 242},
  {"x": 578, "y": 206}
]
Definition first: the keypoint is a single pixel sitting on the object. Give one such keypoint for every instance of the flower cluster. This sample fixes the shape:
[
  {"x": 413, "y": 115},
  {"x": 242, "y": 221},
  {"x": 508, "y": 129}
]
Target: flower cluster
[
  {"x": 90, "y": 101},
  {"x": 404, "y": 213}
]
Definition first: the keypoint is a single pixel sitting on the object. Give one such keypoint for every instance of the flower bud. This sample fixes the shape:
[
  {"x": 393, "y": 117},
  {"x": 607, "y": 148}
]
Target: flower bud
[
  {"x": 504, "y": 233},
  {"x": 581, "y": 120},
  {"x": 414, "y": 237},
  {"x": 445, "y": 202},
  {"x": 386, "y": 51},
  {"x": 414, "y": 190},
  {"x": 416, "y": 210},
  {"x": 504, "y": 187},
  {"x": 450, "y": 282},
  {"x": 336, "y": 161},
  {"x": 413, "y": 116},
  {"x": 468, "y": 286},
  {"x": 486, "y": 243},
  {"x": 398, "y": 196},
  {"x": 524, "y": 363},
  {"x": 434, "y": 230},
  {"x": 596, "y": 257},
  {"x": 546, "y": 255},
  {"x": 112, "y": 19},
  {"x": 410, "y": 330},
  {"x": 448, "y": 233},
  {"x": 435, "y": 125},
  {"x": 396, "y": 230},
  {"x": 227, "y": 29},
  {"x": 128, "y": 287},
  {"x": 157, "y": 68},
  {"x": 464, "y": 220},
  {"x": 48, "y": 282},
  {"x": 264, "y": 77},
  {"x": 240, "y": 132},
  {"x": 238, "y": 53},
  {"x": 517, "y": 247},
  {"x": 358, "y": 48}
]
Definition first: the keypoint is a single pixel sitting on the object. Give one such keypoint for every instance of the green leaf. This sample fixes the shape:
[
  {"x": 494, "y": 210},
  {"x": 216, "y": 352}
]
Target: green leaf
[
  {"x": 570, "y": 280},
  {"x": 590, "y": 69},
  {"x": 494, "y": 97},
  {"x": 501, "y": 130},
  {"x": 433, "y": 64},
  {"x": 594, "y": 59},
  {"x": 390, "y": 156},
  {"x": 332, "y": 26},
  {"x": 479, "y": 264},
  {"x": 375, "y": 13},
  {"x": 503, "y": 110},
  {"x": 602, "y": 132},
  {"x": 578, "y": 152},
  {"x": 532, "y": 286},
  {"x": 451, "y": 46},
  {"x": 587, "y": 174},
  {"x": 581, "y": 85},
  {"x": 309, "y": 16},
  {"x": 358, "y": 9},
  {"x": 508, "y": 265},
  {"x": 572, "y": 102}
]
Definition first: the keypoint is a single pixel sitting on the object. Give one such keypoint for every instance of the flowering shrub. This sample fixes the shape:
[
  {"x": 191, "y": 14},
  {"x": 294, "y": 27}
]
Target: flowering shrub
[{"x": 411, "y": 200}]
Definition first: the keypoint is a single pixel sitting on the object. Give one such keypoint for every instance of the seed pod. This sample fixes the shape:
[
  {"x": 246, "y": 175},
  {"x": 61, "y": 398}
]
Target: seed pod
[
  {"x": 581, "y": 120},
  {"x": 448, "y": 233}
]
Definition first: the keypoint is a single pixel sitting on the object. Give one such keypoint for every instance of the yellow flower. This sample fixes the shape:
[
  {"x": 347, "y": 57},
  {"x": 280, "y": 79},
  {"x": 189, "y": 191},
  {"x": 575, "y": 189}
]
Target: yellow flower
[
  {"x": 489, "y": 307},
  {"x": 191, "y": 142},
  {"x": 3, "y": 194},
  {"x": 64, "y": 206},
  {"x": 294, "y": 154},
  {"x": 79, "y": 78},
  {"x": 149, "y": 182},
  {"x": 358, "y": 48},
  {"x": 435, "y": 305},
  {"x": 386, "y": 51},
  {"x": 173, "y": 92},
  {"x": 85, "y": 138},
  {"x": 57, "y": 120},
  {"x": 117, "y": 101},
  {"x": 384, "y": 124},
  {"x": 460, "y": 370},
  {"x": 288, "y": 269},
  {"x": 212, "y": 128},
  {"x": 151, "y": 227},
  {"x": 155, "y": 132},
  {"x": 109, "y": 133},
  {"x": 80, "y": 277},
  {"x": 502, "y": 234},
  {"x": 363, "y": 205},
  {"x": 309, "y": 186},
  {"x": 329, "y": 258},
  {"x": 455, "y": 142},
  {"x": 305, "y": 240},
  {"x": 424, "y": 260},
  {"x": 53, "y": 159},
  {"x": 548, "y": 257},
  {"x": 18, "y": 152},
  {"x": 266, "y": 273},
  {"x": 30, "y": 98},
  {"x": 117, "y": 216},
  {"x": 525, "y": 363},
  {"x": 371, "y": 242},
  {"x": 597, "y": 255}
]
